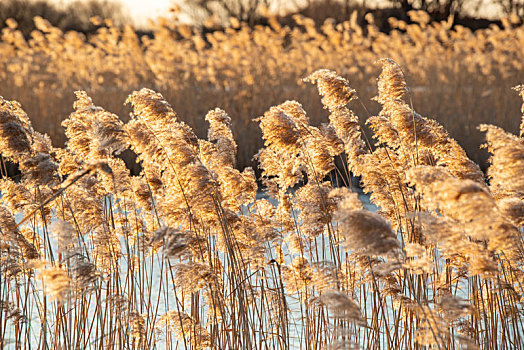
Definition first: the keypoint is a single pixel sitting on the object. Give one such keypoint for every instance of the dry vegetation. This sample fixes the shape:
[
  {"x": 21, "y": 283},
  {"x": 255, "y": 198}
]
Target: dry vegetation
[
  {"x": 186, "y": 255},
  {"x": 459, "y": 76}
]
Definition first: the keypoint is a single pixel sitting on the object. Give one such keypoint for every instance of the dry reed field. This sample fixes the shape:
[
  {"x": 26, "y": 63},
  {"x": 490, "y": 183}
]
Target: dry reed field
[
  {"x": 190, "y": 254},
  {"x": 459, "y": 76}
]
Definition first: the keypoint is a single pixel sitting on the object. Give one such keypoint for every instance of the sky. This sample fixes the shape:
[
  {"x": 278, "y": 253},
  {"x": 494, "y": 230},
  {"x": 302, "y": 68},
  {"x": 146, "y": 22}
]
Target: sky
[{"x": 140, "y": 10}]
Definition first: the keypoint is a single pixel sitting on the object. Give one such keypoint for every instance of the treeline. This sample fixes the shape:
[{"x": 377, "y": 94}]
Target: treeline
[
  {"x": 467, "y": 13},
  {"x": 339, "y": 12},
  {"x": 75, "y": 15},
  {"x": 213, "y": 15}
]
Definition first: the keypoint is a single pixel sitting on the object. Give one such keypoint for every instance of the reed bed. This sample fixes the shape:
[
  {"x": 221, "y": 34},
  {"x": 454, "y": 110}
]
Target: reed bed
[
  {"x": 457, "y": 75},
  {"x": 187, "y": 254}
]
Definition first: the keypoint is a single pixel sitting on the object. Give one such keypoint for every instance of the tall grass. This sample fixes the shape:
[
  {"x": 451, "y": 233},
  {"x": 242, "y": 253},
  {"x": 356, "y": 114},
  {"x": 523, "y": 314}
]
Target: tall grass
[
  {"x": 457, "y": 75},
  {"x": 186, "y": 255}
]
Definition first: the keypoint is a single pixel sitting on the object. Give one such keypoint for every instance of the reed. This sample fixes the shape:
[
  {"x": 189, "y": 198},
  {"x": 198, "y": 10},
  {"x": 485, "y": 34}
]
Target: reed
[
  {"x": 188, "y": 254},
  {"x": 455, "y": 74}
]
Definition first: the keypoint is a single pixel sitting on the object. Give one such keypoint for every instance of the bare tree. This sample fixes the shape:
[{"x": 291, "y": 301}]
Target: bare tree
[
  {"x": 443, "y": 8},
  {"x": 346, "y": 6},
  {"x": 511, "y": 7},
  {"x": 74, "y": 15},
  {"x": 243, "y": 10}
]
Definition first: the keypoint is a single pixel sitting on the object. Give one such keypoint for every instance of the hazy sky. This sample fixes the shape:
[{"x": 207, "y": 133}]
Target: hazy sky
[{"x": 140, "y": 10}]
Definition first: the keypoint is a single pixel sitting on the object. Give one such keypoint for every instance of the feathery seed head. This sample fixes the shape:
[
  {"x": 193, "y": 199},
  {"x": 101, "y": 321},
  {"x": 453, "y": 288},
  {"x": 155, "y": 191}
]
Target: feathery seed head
[
  {"x": 341, "y": 305},
  {"x": 278, "y": 129},
  {"x": 220, "y": 133},
  {"x": 391, "y": 83},
  {"x": 151, "y": 106},
  {"x": 366, "y": 232},
  {"x": 295, "y": 111},
  {"x": 335, "y": 89},
  {"x": 315, "y": 207},
  {"x": 520, "y": 90},
  {"x": 15, "y": 131},
  {"x": 56, "y": 283},
  {"x": 507, "y": 160}
]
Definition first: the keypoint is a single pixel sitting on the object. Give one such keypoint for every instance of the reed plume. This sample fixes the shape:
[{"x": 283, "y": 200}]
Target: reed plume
[{"x": 190, "y": 252}]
